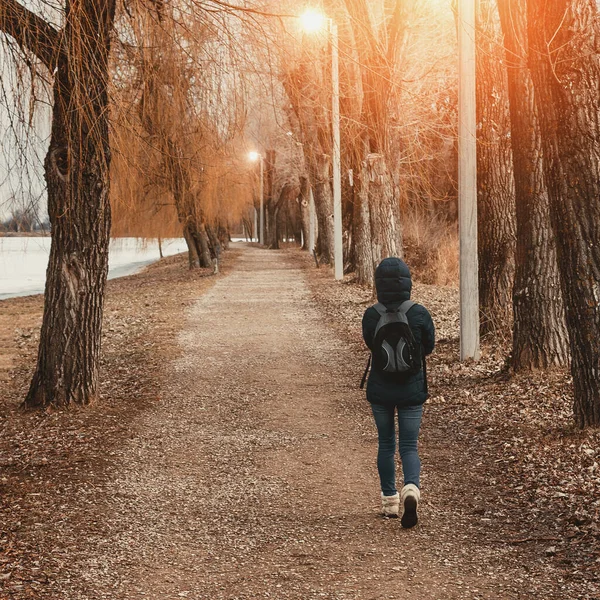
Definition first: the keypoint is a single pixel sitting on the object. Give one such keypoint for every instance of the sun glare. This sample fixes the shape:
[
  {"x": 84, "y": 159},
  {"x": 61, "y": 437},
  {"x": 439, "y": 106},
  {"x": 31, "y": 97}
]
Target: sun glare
[{"x": 312, "y": 20}]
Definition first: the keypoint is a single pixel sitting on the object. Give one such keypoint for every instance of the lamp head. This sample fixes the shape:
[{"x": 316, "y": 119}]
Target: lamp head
[
  {"x": 313, "y": 20},
  {"x": 253, "y": 156}
]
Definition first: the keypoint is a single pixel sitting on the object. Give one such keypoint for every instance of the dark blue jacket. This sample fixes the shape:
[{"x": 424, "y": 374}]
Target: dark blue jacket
[{"x": 393, "y": 283}]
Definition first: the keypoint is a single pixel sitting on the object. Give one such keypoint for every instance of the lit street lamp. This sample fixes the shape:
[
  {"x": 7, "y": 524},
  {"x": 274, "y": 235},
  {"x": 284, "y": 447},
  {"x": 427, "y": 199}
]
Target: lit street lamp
[
  {"x": 256, "y": 156},
  {"x": 314, "y": 21}
]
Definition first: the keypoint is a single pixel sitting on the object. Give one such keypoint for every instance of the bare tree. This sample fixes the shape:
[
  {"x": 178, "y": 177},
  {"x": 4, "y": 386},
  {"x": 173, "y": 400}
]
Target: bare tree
[
  {"x": 186, "y": 123},
  {"x": 495, "y": 182},
  {"x": 539, "y": 333},
  {"x": 77, "y": 178},
  {"x": 305, "y": 86},
  {"x": 377, "y": 230},
  {"x": 564, "y": 45}
]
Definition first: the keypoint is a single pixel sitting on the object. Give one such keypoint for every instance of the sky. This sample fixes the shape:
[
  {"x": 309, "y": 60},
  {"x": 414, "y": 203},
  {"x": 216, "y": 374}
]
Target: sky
[
  {"x": 24, "y": 125},
  {"x": 22, "y": 147}
]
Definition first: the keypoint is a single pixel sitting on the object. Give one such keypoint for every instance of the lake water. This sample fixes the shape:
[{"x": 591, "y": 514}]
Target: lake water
[{"x": 23, "y": 261}]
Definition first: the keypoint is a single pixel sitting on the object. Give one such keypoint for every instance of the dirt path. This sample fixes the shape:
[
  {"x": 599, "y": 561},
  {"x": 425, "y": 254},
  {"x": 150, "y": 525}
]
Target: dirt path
[{"x": 254, "y": 477}]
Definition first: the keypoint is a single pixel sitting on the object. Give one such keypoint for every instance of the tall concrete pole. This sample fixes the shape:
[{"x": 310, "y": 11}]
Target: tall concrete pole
[
  {"x": 311, "y": 222},
  {"x": 337, "y": 163},
  {"x": 255, "y": 225},
  {"x": 467, "y": 183},
  {"x": 261, "y": 239}
]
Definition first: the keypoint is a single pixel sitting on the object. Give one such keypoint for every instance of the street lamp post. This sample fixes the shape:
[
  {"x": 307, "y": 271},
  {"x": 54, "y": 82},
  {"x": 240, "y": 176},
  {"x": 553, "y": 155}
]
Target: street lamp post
[
  {"x": 467, "y": 183},
  {"x": 313, "y": 21},
  {"x": 337, "y": 162},
  {"x": 256, "y": 156},
  {"x": 311, "y": 222},
  {"x": 255, "y": 226}
]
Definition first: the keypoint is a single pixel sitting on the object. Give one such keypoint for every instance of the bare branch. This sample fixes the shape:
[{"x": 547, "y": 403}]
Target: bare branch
[
  {"x": 30, "y": 31},
  {"x": 395, "y": 25}
]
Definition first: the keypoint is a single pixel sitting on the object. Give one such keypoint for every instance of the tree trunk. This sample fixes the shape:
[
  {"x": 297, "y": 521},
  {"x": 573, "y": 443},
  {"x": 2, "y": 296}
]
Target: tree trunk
[
  {"x": 564, "y": 43},
  {"x": 176, "y": 165},
  {"x": 304, "y": 201},
  {"x": 77, "y": 176},
  {"x": 247, "y": 228},
  {"x": 323, "y": 196},
  {"x": 214, "y": 242},
  {"x": 275, "y": 228},
  {"x": 303, "y": 87},
  {"x": 203, "y": 245},
  {"x": 361, "y": 223},
  {"x": 539, "y": 334},
  {"x": 495, "y": 182},
  {"x": 193, "y": 256},
  {"x": 376, "y": 46},
  {"x": 386, "y": 238},
  {"x": 271, "y": 225},
  {"x": 223, "y": 236}
]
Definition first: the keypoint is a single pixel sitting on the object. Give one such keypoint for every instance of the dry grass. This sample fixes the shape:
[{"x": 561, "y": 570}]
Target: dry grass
[{"x": 431, "y": 248}]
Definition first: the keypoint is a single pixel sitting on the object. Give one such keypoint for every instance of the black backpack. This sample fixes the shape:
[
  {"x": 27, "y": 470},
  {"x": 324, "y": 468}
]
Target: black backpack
[{"x": 395, "y": 352}]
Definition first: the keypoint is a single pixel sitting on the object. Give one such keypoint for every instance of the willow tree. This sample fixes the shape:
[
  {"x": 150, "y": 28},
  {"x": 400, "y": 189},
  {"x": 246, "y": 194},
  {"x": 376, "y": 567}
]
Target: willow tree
[
  {"x": 305, "y": 84},
  {"x": 163, "y": 109},
  {"x": 283, "y": 188},
  {"x": 539, "y": 331},
  {"x": 564, "y": 45},
  {"x": 77, "y": 177},
  {"x": 377, "y": 231},
  {"x": 185, "y": 122}
]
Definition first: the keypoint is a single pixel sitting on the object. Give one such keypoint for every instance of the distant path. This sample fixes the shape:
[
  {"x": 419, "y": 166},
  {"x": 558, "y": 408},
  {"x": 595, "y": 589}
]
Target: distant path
[{"x": 252, "y": 479}]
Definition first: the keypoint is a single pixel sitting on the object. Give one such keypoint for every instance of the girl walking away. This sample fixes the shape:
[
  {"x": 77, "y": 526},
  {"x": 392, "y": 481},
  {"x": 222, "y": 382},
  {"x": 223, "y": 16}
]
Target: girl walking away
[{"x": 399, "y": 333}]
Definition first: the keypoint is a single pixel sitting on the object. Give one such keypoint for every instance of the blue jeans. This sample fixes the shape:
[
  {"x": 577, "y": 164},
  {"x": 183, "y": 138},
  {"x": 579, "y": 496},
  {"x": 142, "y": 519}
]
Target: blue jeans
[{"x": 409, "y": 423}]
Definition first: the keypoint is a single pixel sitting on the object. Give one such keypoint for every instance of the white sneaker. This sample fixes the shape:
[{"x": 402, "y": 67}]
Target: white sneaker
[
  {"x": 390, "y": 505},
  {"x": 410, "y": 501}
]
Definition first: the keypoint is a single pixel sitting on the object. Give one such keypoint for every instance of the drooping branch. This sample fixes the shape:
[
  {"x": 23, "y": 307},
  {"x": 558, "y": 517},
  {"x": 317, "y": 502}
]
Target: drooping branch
[
  {"x": 396, "y": 25},
  {"x": 367, "y": 42},
  {"x": 30, "y": 31}
]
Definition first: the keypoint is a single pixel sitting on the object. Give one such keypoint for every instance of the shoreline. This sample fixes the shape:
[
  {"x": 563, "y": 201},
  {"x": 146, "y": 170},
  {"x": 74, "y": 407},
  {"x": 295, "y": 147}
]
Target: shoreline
[{"x": 24, "y": 260}]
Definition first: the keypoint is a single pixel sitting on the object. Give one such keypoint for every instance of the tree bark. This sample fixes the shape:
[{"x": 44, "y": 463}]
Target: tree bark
[
  {"x": 304, "y": 201},
  {"x": 276, "y": 236},
  {"x": 31, "y": 32},
  {"x": 320, "y": 168},
  {"x": 495, "y": 182},
  {"x": 564, "y": 45},
  {"x": 539, "y": 334},
  {"x": 213, "y": 240},
  {"x": 77, "y": 176},
  {"x": 223, "y": 235},
  {"x": 271, "y": 233},
  {"x": 386, "y": 236},
  {"x": 361, "y": 223},
  {"x": 376, "y": 48},
  {"x": 315, "y": 131},
  {"x": 193, "y": 256},
  {"x": 203, "y": 245}
]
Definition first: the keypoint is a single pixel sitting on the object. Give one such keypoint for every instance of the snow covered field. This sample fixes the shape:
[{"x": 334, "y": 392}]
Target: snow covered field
[{"x": 23, "y": 260}]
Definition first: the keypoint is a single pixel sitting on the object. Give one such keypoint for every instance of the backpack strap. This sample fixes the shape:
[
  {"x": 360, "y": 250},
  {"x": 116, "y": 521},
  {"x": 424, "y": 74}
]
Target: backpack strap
[
  {"x": 406, "y": 306},
  {"x": 380, "y": 308}
]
